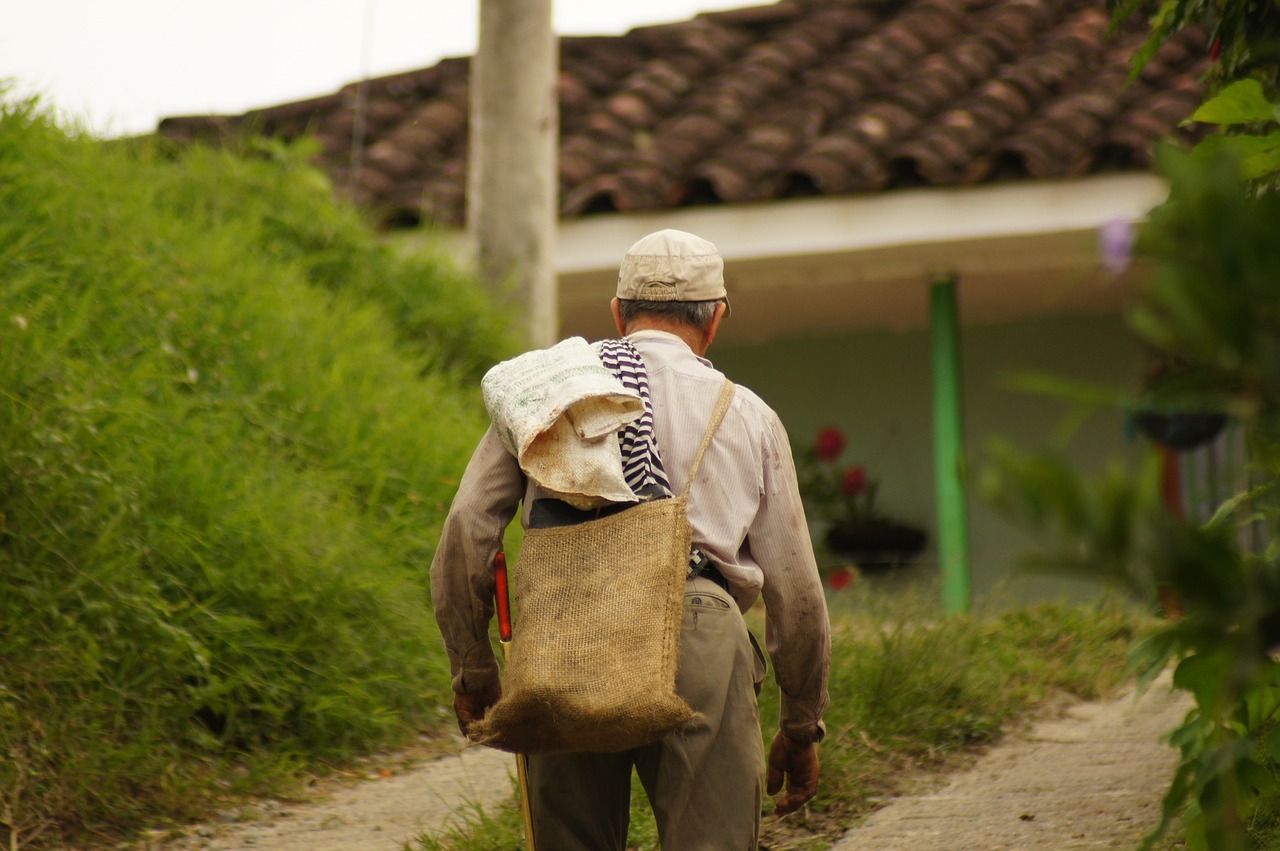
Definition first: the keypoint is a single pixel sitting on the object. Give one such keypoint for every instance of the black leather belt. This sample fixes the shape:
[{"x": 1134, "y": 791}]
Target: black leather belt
[{"x": 710, "y": 572}]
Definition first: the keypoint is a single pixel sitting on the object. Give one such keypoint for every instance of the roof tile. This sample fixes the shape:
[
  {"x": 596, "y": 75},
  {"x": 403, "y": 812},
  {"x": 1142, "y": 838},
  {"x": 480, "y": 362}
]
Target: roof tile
[{"x": 793, "y": 98}]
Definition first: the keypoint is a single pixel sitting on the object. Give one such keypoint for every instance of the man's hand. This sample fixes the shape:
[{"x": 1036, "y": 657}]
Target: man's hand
[
  {"x": 797, "y": 762},
  {"x": 471, "y": 707}
]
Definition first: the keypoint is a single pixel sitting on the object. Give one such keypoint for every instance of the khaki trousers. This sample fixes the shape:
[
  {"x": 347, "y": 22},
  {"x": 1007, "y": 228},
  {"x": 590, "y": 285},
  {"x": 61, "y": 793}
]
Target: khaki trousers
[{"x": 704, "y": 782}]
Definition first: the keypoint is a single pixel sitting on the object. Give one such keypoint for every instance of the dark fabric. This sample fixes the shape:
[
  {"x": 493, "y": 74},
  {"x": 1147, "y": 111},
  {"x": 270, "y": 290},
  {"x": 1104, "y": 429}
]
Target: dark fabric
[
  {"x": 709, "y": 572},
  {"x": 547, "y": 513}
]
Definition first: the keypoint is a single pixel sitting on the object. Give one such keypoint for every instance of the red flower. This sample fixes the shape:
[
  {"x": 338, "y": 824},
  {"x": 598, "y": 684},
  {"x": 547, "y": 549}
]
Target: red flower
[
  {"x": 854, "y": 481},
  {"x": 830, "y": 444},
  {"x": 1216, "y": 50},
  {"x": 840, "y": 579}
]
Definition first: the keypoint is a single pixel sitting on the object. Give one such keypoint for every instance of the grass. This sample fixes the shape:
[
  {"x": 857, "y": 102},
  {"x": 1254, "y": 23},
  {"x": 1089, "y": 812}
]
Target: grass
[
  {"x": 910, "y": 692},
  {"x": 230, "y": 424}
]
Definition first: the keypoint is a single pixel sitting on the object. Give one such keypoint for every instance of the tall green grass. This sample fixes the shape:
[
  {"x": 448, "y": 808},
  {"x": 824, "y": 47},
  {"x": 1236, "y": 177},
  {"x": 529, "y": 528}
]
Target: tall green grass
[
  {"x": 230, "y": 423},
  {"x": 910, "y": 689}
]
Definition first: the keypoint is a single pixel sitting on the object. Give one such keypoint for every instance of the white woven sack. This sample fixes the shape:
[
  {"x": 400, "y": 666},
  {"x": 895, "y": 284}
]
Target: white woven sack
[{"x": 558, "y": 411}]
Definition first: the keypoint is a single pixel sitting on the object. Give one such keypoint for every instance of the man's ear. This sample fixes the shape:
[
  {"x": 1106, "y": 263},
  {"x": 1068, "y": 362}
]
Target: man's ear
[
  {"x": 615, "y": 307},
  {"x": 714, "y": 326}
]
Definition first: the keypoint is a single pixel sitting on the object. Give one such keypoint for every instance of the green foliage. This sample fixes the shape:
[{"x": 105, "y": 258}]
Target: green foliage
[
  {"x": 1095, "y": 529},
  {"x": 1243, "y": 74},
  {"x": 908, "y": 689},
  {"x": 1243, "y": 105},
  {"x": 1213, "y": 305},
  {"x": 1243, "y": 37},
  {"x": 230, "y": 423},
  {"x": 1242, "y": 102},
  {"x": 1213, "y": 300}
]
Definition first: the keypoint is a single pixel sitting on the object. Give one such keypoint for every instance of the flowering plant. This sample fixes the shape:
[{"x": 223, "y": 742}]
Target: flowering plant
[
  {"x": 832, "y": 493},
  {"x": 843, "y": 500}
]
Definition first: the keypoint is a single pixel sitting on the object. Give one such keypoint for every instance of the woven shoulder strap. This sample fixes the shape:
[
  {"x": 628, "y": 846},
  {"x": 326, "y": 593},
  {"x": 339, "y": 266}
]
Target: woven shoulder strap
[{"x": 722, "y": 406}]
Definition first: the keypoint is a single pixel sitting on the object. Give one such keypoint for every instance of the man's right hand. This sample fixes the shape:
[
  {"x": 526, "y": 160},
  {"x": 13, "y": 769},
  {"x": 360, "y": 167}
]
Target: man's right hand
[
  {"x": 795, "y": 765},
  {"x": 472, "y": 706}
]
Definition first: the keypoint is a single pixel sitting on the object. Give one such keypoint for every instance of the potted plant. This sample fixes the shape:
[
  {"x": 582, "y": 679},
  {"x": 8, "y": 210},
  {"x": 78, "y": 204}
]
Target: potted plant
[{"x": 842, "y": 501}]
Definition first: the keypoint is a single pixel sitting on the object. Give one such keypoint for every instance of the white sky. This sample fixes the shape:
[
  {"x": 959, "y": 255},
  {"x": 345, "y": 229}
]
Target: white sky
[{"x": 119, "y": 66}]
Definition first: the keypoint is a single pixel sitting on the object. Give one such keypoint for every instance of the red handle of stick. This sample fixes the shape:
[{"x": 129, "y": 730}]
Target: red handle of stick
[{"x": 500, "y": 594}]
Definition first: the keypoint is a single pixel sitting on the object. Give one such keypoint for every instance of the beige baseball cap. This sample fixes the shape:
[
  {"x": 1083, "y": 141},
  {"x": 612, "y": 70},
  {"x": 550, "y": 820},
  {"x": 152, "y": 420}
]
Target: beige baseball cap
[{"x": 672, "y": 265}]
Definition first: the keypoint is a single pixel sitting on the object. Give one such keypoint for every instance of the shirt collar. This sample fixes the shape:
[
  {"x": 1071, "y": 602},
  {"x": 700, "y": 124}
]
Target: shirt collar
[{"x": 664, "y": 337}]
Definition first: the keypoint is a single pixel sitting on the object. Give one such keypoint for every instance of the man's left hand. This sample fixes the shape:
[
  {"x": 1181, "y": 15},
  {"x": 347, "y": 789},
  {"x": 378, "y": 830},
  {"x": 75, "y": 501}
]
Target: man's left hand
[{"x": 796, "y": 763}]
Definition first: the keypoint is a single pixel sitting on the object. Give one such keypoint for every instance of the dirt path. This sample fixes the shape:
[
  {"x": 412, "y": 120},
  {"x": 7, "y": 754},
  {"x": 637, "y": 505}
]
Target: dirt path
[{"x": 1092, "y": 778}]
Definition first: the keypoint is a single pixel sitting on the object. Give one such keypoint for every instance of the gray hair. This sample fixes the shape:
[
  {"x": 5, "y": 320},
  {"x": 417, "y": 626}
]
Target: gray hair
[{"x": 695, "y": 314}]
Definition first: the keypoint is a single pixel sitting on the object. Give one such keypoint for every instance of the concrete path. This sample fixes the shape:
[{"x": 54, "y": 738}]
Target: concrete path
[
  {"x": 1091, "y": 779},
  {"x": 380, "y": 813}
]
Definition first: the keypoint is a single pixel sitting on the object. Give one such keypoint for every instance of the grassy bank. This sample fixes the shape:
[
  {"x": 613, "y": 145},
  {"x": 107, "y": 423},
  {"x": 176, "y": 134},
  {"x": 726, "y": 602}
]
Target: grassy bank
[
  {"x": 230, "y": 422},
  {"x": 910, "y": 690}
]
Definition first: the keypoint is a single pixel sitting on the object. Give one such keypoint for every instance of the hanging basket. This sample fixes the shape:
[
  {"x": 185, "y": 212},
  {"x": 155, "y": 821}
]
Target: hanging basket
[{"x": 1180, "y": 430}]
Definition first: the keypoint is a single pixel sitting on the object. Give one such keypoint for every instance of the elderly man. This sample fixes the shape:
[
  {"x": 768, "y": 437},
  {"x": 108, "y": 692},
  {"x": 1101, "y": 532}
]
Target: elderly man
[{"x": 751, "y": 541}]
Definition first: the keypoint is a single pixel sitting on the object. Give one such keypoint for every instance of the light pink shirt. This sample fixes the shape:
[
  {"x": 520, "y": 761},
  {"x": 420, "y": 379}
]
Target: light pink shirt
[{"x": 744, "y": 508}]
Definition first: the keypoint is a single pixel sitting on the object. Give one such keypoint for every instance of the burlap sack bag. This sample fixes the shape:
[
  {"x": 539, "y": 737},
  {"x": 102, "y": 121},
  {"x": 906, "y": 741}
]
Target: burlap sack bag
[{"x": 596, "y": 611}]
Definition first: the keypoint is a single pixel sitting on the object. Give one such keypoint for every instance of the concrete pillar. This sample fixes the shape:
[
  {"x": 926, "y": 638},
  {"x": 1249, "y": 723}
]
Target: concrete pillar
[{"x": 512, "y": 179}]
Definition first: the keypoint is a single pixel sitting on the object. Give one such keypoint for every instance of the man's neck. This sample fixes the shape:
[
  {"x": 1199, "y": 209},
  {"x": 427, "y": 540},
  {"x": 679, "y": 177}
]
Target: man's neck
[{"x": 691, "y": 336}]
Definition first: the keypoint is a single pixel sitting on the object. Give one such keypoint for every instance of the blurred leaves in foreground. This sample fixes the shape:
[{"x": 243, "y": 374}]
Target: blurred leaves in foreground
[{"x": 1213, "y": 307}]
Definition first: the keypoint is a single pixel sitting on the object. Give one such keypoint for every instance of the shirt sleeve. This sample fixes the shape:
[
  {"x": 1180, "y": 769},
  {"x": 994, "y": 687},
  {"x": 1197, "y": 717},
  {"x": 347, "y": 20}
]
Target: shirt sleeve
[
  {"x": 797, "y": 629},
  {"x": 462, "y": 580}
]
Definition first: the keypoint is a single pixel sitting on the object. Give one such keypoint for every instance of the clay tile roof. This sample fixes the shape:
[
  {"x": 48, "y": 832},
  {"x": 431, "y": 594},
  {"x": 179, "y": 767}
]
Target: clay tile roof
[{"x": 800, "y": 97}]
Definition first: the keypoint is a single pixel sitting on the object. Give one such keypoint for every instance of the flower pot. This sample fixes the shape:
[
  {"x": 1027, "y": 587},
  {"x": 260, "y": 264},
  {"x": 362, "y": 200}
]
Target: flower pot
[{"x": 876, "y": 545}]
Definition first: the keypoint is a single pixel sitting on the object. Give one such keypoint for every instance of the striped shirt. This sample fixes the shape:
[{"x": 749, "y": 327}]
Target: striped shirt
[{"x": 744, "y": 508}]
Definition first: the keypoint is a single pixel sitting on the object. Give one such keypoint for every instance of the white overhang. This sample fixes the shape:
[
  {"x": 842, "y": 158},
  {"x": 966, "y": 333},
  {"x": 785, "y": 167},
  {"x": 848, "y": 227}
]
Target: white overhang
[{"x": 830, "y": 265}]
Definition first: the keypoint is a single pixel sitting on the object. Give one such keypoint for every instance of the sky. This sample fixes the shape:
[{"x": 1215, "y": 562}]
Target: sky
[{"x": 117, "y": 67}]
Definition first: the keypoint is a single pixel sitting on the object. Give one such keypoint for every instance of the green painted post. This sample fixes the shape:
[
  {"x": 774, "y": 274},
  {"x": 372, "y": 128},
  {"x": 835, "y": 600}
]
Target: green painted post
[{"x": 948, "y": 447}]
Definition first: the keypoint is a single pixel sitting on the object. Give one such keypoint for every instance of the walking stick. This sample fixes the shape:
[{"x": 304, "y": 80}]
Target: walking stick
[{"x": 504, "y": 634}]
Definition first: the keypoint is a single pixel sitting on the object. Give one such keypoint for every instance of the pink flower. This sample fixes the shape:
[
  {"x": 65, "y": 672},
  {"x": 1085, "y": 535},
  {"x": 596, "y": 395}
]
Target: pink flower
[
  {"x": 1116, "y": 239},
  {"x": 840, "y": 579},
  {"x": 854, "y": 481},
  {"x": 830, "y": 444}
]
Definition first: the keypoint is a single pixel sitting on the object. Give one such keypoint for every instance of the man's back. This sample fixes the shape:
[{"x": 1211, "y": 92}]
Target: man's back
[
  {"x": 741, "y": 506},
  {"x": 746, "y": 516}
]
